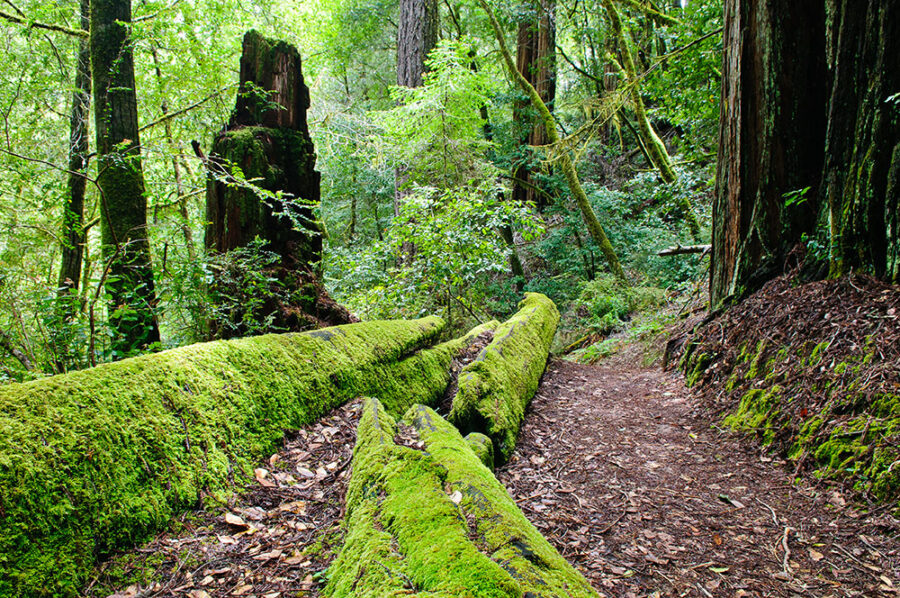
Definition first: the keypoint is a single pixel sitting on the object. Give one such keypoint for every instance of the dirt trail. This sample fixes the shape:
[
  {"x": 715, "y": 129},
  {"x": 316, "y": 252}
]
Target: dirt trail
[{"x": 649, "y": 500}]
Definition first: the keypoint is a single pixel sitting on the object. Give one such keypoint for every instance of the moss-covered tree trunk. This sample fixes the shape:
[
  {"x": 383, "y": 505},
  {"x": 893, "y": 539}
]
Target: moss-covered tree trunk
[
  {"x": 861, "y": 180},
  {"x": 536, "y": 61},
  {"x": 772, "y": 125},
  {"x": 809, "y": 141},
  {"x": 73, "y": 205},
  {"x": 263, "y": 184},
  {"x": 598, "y": 234},
  {"x": 120, "y": 178}
]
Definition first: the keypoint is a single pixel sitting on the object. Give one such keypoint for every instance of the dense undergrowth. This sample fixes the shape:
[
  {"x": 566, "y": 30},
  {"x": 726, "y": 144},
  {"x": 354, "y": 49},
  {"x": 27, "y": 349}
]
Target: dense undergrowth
[{"x": 812, "y": 371}]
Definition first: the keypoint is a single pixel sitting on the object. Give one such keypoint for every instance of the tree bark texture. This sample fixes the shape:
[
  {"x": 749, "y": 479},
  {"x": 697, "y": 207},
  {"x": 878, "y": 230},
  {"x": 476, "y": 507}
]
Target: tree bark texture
[
  {"x": 536, "y": 60},
  {"x": 861, "y": 179},
  {"x": 417, "y": 35},
  {"x": 771, "y": 137},
  {"x": 277, "y": 190},
  {"x": 73, "y": 206},
  {"x": 121, "y": 180}
]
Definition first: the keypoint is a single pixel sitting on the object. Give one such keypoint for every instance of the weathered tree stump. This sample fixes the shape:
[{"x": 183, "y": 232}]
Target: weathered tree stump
[{"x": 263, "y": 185}]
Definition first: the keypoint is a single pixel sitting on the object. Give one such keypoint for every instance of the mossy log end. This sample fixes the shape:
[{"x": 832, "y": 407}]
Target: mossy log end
[
  {"x": 99, "y": 459},
  {"x": 495, "y": 389},
  {"x": 437, "y": 522}
]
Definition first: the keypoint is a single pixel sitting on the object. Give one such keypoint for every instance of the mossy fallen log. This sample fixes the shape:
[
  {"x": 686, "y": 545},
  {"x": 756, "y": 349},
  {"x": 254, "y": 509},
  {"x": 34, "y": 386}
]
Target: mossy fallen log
[
  {"x": 98, "y": 459},
  {"x": 423, "y": 377},
  {"x": 437, "y": 522},
  {"x": 495, "y": 389}
]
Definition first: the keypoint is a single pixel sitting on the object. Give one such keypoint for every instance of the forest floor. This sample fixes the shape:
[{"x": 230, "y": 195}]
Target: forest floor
[{"x": 615, "y": 466}]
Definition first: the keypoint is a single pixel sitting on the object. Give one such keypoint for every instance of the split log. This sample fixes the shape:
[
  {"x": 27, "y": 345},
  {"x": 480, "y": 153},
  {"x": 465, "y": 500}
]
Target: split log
[
  {"x": 495, "y": 389},
  {"x": 436, "y": 522}
]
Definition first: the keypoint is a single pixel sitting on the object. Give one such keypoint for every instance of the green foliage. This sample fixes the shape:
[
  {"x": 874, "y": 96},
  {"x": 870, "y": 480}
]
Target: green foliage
[
  {"x": 457, "y": 254},
  {"x": 604, "y": 304}
]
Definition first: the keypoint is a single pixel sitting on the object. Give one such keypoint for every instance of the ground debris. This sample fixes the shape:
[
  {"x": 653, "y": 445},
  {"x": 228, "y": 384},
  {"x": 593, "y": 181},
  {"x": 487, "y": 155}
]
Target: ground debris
[
  {"x": 631, "y": 486},
  {"x": 272, "y": 541}
]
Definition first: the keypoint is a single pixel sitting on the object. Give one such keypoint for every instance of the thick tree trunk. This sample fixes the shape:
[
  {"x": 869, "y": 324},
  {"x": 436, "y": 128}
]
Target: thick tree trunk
[
  {"x": 121, "y": 180},
  {"x": 536, "y": 60},
  {"x": 73, "y": 206},
  {"x": 771, "y": 135},
  {"x": 274, "y": 198},
  {"x": 861, "y": 180},
  {"x": 417, "y": 35}
]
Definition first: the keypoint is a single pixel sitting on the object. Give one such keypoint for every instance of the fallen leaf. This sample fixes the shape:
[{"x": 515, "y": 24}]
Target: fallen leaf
[
  {"x": 235, "y": 520},
  {"x": 815, "y": 555},
  {"x": 262, "y": 477},
  {"x": 242, "y": 589}
]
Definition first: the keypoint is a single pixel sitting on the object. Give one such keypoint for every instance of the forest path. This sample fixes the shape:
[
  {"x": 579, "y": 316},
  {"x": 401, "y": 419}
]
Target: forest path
[{"x": 648, "y": 500}]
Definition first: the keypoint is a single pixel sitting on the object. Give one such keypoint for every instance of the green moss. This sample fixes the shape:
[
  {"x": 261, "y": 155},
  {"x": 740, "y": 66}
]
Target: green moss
[
  {"x": 437, "y": 523},
  {"x": 757, "y": 360},
  {"x": 424, "y": 376},
  {"x": 483, "y": 448},
  {"x": 98, "y": 459},
  {"x": 497, "y": 386},
  {"x": 757, "y": 411},
  {"x": 698, "y": 364}
]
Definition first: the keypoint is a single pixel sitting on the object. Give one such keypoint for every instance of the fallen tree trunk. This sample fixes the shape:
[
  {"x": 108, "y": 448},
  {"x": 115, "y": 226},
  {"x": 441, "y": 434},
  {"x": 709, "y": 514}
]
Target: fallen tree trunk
[
  {"x": 495, "y": 389},
  {"x": 98, "y": 459},
  {"x": 436, "y": 522}
]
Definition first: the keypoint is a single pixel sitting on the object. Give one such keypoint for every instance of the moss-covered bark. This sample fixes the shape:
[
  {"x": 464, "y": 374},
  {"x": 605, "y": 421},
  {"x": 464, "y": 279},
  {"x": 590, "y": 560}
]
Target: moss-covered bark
[
  {"x": 120, "y": 179},
  {"x": 437, "y": 523},
  {"x": 98, "y": 459},
  {"x": 495, "y": 389}
]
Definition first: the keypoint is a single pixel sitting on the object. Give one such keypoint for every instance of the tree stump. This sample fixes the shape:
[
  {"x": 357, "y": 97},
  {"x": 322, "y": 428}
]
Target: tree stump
[{"x": 261, "y": 195}]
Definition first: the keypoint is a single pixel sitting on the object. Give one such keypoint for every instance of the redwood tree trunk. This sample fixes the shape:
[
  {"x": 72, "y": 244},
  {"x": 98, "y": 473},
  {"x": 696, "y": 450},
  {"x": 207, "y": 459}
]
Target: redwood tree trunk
[
  {"x": 772, "y": 127},
  {"x": 797, "y": 114},
  {"x": 273, "y": 199},
  {"x": 417, "y": 35},
  {"x": 536, "y": 60},
  {"x": 121, "y": 181},
  {"x": 861, "y": 181}
]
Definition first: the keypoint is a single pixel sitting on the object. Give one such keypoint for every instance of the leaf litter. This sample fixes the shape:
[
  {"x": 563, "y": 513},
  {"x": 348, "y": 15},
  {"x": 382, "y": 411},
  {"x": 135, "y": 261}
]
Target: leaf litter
[{"x": 614, "y": 466}]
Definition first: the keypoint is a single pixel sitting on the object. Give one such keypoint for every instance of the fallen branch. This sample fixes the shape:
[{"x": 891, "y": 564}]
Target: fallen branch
[{"x": 684, "y": 249}]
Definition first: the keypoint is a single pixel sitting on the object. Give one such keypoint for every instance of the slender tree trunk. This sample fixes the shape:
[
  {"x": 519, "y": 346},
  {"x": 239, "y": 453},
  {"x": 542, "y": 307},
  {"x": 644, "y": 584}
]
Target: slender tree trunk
[
  {"x": 417, "y": 36},
  {"x": 565, "y": 160},
  {"x": 73, "y": 208},
  {"x": 649, "y": 140},
  {"x": 121, "y": 180},
  {"x": 536, "y": 61}
]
